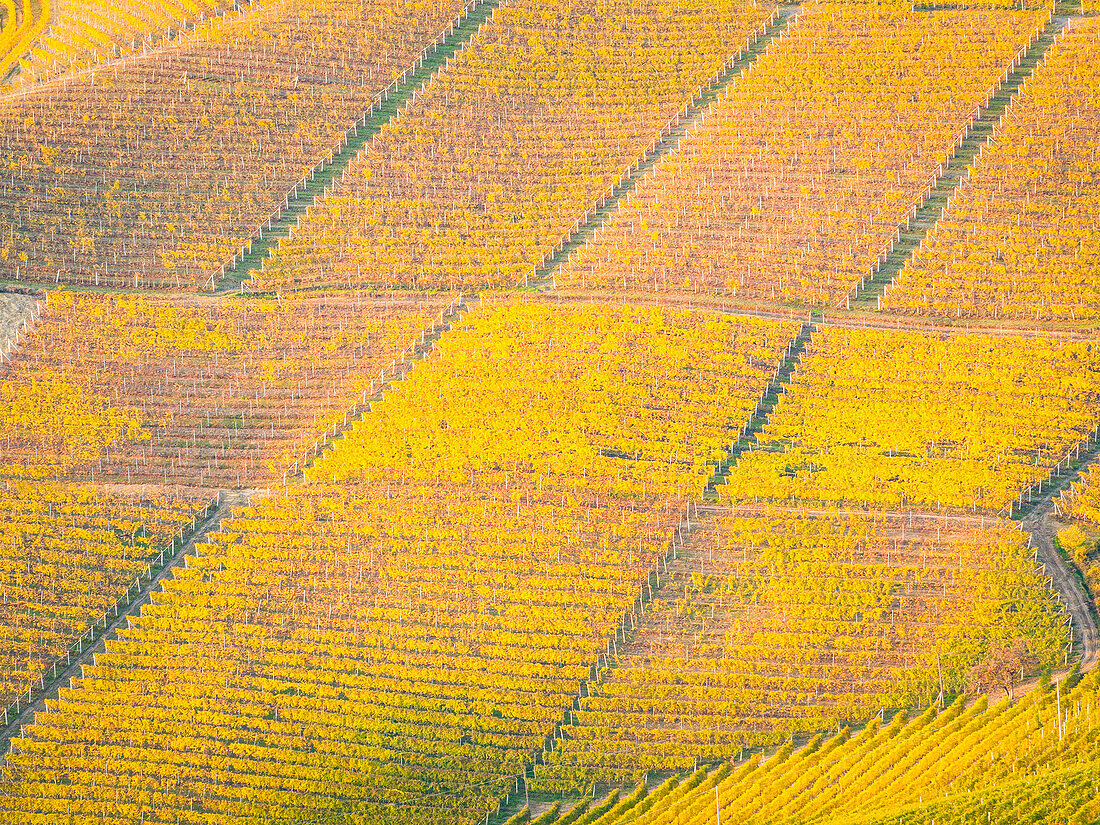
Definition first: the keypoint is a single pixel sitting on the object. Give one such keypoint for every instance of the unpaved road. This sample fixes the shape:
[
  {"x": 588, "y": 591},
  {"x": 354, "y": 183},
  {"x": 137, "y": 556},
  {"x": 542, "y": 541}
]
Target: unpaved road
[{"x": 1066, "y": 582}]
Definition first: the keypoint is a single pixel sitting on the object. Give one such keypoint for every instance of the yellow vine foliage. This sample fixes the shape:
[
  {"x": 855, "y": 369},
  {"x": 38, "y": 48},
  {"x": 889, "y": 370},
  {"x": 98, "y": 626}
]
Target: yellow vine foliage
[
  {"x": 512, "y": 142},
  {"x": 779, "y": 622},
  {"x": 58, "y": 424},
  {"x": 1019, "y": 238},
  {"x": 410, "y": 632},
  {"x": 793, "y": 183},
  {"x": 943, "y": 422}
]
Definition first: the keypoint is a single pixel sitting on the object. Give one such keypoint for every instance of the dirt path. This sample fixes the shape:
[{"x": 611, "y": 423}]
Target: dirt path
[
  {"x": 847, "y": 319},
  {"x": 1066, "y": 581}
]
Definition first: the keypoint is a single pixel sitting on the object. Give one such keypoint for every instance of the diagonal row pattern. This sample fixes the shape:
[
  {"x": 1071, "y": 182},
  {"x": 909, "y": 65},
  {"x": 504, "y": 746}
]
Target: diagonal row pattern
[
  {"x": 949, "y": 421},
  {"x": 798, "y": 176},
  {"x": 154, "y": 171},
  {"x": 776, "y": 622},
  {"x": 1005, "y": 763},
  {"x": 512, "y": 142},
  {"x": 194, "y": 393},
  {"x": 1019, "y": 237},
  {"x": 395, "y": 635}
]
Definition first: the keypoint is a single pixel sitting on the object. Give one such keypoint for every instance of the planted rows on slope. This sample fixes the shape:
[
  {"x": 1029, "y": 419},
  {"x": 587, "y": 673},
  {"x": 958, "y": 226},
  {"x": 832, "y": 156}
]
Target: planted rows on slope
[
  {"x": 1020, "y": 236},
  {"x": 21, "y": 22},
  {"x": 796, "y": 178},
  {"x": 1082, "y": 499},
  {"x": 394, "y": 638},
  {"x": 155, "y": 171},
  {"x": 160, "y": 403},
  {"x": 1033, "y": 760},
  {"x": 511, "y": 143},
  {"x": 193, "y": 393},
  {"x": 67, "y": 553},
  {"x": 79, "y": 34},
  {"x": 933, "y": 421},
  {"x": 774, "y": 622}
]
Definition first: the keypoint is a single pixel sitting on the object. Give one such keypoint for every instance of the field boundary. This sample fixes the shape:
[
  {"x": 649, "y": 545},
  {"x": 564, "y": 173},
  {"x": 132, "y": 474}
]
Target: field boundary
[
  {"x": 398, "y": 369},
  {"x": 978, "y": 520},
  {"x": 1067, "y": 468},
  {"x": 749, "y": 437},
  {"x": 841, "y": 319},
  {"x": 1065, "y": 578},
  {"x": 650, "y": 587},
  {"x": 20, "y": 712}
]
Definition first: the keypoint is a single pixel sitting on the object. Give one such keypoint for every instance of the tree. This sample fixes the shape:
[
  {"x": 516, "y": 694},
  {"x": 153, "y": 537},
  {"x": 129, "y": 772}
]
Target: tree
[{"x": 1002, "y": 666}]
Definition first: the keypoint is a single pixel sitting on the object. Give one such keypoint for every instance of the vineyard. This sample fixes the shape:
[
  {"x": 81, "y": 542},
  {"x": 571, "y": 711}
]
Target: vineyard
[
  {"x": 151, "y": 172},
  {"x": 353, "y": 600},
  {"x": 196, "y": 393},
  {"x": 21, "y": 23},
  {"x": 123, "y": 414},
  {"x": 67, "y": 553},
  {"x": 948, "y": 422},
  {"x": 538, "y": 117},
  {"x": 1043, "y": 169},
  {"x": 797, "y": 205},
  {"x": 778, "y": 622},
  {"x": 569, "y": 412},
  {"x": 991, "y": 761},
  {"x": 87, "y": 33}
]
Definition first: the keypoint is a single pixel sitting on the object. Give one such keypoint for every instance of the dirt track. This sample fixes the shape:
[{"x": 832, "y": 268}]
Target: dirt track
[{"x": 1066, "y": 582}]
